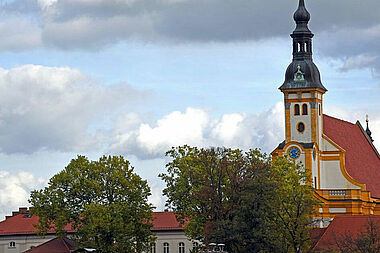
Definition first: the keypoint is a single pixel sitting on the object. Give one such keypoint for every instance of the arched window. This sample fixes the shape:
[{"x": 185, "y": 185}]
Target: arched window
[
  {"x": 304, "y": 109},
  {"x": 166, "y": 247},
  {"x": 320, "y": 110},
  {"x": 297, "y": 109},
  {"x": 153, "y": 248},
  {"x": 12, "y": 245},
  {"x": 181, "y": 247}
]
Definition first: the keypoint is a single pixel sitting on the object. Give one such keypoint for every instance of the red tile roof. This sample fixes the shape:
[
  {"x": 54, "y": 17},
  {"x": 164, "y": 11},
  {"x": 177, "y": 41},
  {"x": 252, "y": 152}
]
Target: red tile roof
[
  {"x": 316, "y": 234},
  {"x": 21, "y": 223},
  {"x": 56, "y": 245},
  {"x": 342, "y": 226},
  {"x": 362, "y": 159},
  {"x": 165, "y": 221}
]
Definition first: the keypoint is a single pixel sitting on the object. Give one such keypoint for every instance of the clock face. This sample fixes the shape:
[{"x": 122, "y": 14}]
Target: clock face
[{"x": 294, "y": 152}]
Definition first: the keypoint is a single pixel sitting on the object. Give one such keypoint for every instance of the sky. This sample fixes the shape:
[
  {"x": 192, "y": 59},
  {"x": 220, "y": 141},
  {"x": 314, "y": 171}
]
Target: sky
[{"x": 137, "y": 77}]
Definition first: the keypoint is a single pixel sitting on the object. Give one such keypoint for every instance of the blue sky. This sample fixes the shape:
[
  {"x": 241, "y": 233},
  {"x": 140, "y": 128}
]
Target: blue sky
[{"x": 135, "y": 77}]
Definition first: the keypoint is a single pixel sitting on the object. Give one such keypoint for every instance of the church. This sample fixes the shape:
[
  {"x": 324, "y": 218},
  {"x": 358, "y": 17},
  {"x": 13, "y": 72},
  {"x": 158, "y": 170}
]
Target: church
[{"x": 342, "y": 160}]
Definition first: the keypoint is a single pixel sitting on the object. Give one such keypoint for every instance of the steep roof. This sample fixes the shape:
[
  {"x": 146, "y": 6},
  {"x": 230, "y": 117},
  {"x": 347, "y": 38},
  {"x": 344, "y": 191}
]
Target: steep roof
[
  {"x": 362, "y": 158},
  {"x": 342, "y": 226},
  {"x": 21, "y": 223},
  {"x": 165, "y": 221},
  {"x": 56, "y": 245}
]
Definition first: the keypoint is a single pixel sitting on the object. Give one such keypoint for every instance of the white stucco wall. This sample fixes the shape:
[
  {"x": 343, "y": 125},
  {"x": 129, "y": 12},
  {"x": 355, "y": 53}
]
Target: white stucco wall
[
  {"x": 173, "y": 238},
  {"x": 23, "y": 242},
  {"x": 327, "y": 146},
  {"x": 295, "y": 119},
  {"x": 320, "y": 123},
  {"x": 332, "y": 177},
  {"x": 315, "y": 170}
]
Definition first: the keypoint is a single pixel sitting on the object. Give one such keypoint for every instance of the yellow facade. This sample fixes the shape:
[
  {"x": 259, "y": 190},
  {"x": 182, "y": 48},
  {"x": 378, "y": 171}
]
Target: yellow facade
[{"x": 352, "y": 201}]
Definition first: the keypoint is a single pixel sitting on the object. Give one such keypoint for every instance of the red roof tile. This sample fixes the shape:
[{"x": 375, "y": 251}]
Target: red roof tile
[
  {"x": 316, "y": 234},
  {"x": 56, "y": 245},
  {"x": 23, "y": 223},
  {"x": 342, "y": 226},
  {"x": 165, "y": 221},
  {"x": 362, "y": 159}
]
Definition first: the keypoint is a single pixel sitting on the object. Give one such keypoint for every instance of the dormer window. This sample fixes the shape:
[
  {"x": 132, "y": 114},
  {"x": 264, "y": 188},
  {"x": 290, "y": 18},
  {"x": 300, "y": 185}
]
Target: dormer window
[{"x": 12, "y": 244}]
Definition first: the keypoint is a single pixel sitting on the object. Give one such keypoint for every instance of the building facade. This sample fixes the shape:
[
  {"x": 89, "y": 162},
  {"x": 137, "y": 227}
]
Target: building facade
[
  {"x": 18, "y": 233},
  {"x": 341, "y": 158}
]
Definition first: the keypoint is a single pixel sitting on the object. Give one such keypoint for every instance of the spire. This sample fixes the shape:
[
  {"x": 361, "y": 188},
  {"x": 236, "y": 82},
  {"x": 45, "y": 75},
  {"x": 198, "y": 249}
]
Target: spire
[
  {"x": 302, "y": 36},
  {"x": 369, "y": 133},
  {"x": 301, "y": 15},
  {"x": 302, "y": 55}
]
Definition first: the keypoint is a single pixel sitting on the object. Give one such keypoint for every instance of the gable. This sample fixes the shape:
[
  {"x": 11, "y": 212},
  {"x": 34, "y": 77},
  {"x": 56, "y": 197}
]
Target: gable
[{"x": 362, "y": 161}]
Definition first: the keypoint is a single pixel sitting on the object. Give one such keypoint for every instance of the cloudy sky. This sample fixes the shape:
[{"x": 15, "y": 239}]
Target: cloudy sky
[{"x": 136, "y": 77}]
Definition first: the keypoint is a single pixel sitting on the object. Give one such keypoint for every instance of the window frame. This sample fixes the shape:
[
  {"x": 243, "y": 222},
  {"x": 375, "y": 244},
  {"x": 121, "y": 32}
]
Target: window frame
[
  {"x": 12, "y": 244},
  {"x": 297, "y": 110},
  {"x": 305, "y": 109},
  {"x": 166, "y": 247},
  {"x": 181, "y": 247}
]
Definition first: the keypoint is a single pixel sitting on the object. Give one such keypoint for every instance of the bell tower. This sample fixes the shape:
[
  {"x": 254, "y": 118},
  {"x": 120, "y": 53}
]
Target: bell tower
[{"x": 303, "y": 90}]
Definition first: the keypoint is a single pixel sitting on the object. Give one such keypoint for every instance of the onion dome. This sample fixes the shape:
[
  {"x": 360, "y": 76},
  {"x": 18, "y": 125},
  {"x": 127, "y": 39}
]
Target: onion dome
[
  {"x": 301, "y": 15},
  {"x": 302, "y": 72}
]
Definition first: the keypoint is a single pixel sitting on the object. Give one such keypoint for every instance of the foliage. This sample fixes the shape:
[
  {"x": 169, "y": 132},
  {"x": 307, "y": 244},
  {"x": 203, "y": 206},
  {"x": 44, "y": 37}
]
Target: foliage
[
  {"x": 241, "y": 199},
  {"x": 367, "y": 241},
  {"x": 294, "y": 205},
  {"x": 104, "y": 200}
]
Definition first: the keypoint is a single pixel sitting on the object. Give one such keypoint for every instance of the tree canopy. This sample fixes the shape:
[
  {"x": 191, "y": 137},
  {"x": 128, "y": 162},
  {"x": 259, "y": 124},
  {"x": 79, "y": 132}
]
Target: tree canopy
[
  {"x": 104, "y": 200},
  {"x": 244, "y": 200}
]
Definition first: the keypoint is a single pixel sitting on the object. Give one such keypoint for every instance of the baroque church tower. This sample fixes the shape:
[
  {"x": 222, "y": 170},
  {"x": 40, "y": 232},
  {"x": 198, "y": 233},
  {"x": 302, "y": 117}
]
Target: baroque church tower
[{"x": 341, "y": 158}]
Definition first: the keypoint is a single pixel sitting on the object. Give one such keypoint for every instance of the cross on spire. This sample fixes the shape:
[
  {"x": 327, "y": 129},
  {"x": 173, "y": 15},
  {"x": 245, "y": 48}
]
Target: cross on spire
[{"x": 369, "y": 133}]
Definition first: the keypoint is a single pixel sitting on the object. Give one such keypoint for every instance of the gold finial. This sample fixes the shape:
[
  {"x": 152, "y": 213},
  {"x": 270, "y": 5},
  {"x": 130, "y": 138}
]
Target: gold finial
[{"x": 366, "y": 118}]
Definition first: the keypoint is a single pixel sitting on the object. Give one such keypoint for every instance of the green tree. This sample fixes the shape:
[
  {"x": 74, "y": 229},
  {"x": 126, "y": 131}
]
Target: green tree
[
  {"x": 293, "y": 206},
  {"x": 240, "y": 199},
  {"x": 104, "y": 200}
]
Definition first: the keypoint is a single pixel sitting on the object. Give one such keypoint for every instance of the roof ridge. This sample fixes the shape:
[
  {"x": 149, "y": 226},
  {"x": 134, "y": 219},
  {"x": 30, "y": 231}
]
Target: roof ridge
[
  {"x": 367, "y": 138},
  {"x": 42, "y": 244},
  {"x": 65, "y": 243},
  {"x": 320, "y": 238},
  {"x": 345, "y": 121}
]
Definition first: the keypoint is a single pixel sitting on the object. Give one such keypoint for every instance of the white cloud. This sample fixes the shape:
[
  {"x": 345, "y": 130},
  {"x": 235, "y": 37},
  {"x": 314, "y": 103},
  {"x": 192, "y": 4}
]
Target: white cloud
[
  {"x": 44, "y": 4},
  {"x": 52, "y": 108},
  {"x": 354, "y": 115},
  {"x": 95, "y": 33},
  {"x": 196, "y": 128},
  {"x": 19, "y": 34},
  {"x": 15, "y": 190},
  {"x": 358, "y": 62}
]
